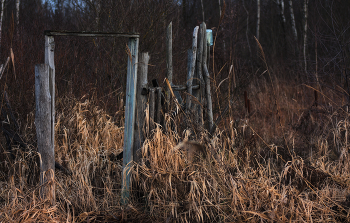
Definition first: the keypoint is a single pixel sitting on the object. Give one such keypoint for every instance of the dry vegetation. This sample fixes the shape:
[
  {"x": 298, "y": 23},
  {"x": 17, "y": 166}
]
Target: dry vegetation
[{"x": 284, "y": 162}]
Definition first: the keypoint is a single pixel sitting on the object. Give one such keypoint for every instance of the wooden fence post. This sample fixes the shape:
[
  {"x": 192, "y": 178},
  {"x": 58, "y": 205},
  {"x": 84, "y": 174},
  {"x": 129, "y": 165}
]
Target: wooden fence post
[
  {"x": 129, "y": 117},
  {"x": 151, "y": 109},
  {"x": 207, "y": 82},
  {"x": 158, "y": 114},
  {"x": 169, "y": 63},
  {"x": 49, "y": 60},
  {"x": 199, "y": 77},
  {"x": 141, "y": 101},
  {"x": 43, "y": 123},
  {"x": 192, "y": 67}
]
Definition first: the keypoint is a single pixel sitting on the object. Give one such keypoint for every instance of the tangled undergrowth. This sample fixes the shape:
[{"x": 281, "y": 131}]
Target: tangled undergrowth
[{"x": 245, "y": 175}]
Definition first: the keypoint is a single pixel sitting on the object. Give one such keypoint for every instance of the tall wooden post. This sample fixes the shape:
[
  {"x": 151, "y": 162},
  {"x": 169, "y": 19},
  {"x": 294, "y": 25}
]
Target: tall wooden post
[
  {"x": 199, "y": 76},
  {"x": 152, "y": 102},
  {"x": 158, "y": 113},
  {"x": 206, "y": 47},
  {"x": 190, "y": 73},
  {"x": 43, "y": 123},
  {"x": 141, "y": 101},
  {"x": 169, "y": 40},
  {"x": 130, "y": 108},
  {"x": 49, "y": 60}
]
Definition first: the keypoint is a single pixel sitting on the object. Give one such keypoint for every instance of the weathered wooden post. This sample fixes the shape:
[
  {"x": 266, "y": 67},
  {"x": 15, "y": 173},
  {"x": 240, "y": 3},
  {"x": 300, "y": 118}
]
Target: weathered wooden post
[
  {"x": 49, "y": 59},
  {"x": 43, "y": 123},
  {"x": 158, "y": 114},
  {"x": 169, "y": 57},
  {"x": 129, "y": 138},
  {"x": 207, "y": 82},
  {"x": 152, "y": 100},
  {"x": 190, "y": 73},
  {"x": 141, "y": 102},
  {"x": 199, "y": 77},
  {"x": 130, "y": 108}
]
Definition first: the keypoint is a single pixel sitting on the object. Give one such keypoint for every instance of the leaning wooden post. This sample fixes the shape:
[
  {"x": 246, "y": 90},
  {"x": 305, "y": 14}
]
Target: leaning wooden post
[
  {"x": 130, "y": 108},
  {"x": 169, "y": 63},
  {"x": 141, "y": 102},
  {"x": 207, "y": 82},
  {"x": 192, "y": 68},
  {"x": 43, "y": 123}
]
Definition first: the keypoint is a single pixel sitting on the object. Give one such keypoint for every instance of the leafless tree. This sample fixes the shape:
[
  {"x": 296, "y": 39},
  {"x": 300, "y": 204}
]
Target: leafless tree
[
  {"x": 1, "y": 18},
  {"x": 17, "y": 15},
  {"x": 258, "y": 20},
  {"x": 295, "y": 33},
  {"x": 306, "y": 4},
  {"x": 247, "y": 29},
  {"x": 202, "y": 11}
]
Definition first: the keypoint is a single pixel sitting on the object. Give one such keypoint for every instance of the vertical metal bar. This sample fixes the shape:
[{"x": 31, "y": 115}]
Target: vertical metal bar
[{"x": 130, "y": 103}]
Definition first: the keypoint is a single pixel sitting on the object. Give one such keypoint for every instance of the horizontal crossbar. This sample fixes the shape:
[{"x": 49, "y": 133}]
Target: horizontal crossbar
[
  {"x": 89, "y": 34},
  {"x": 183, "y": 87}
]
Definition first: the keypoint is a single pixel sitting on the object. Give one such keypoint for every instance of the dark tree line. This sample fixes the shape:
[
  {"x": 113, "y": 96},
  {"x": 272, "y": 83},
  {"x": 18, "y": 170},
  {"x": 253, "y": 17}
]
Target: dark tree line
[{"x": 96, "y": 66}]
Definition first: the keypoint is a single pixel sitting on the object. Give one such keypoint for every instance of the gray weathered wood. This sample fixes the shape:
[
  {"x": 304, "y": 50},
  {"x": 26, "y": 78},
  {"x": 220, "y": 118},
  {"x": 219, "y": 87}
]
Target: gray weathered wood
[
  {"x": 43, "y": 116},
  {"x": 90, "y": 34},
  {"x": 129, "y": 118},
  {"x": 200, "y": 53},
  {"x": 188, "y": 85},
  {"x": 199, "y": 76},
  {"x": 49, "y": 60},
  {"x": 207, "y": 83},
  {"x": 3, "y": 67},
  {"x": 152, "y": 106},
  {"x": 169, "y": 41},
  {"x": 141, "y": 102},
  {"x": 183, "y": 87},
  {"x": 159, "y": 105},
  {"x": 190, "y": 74}
]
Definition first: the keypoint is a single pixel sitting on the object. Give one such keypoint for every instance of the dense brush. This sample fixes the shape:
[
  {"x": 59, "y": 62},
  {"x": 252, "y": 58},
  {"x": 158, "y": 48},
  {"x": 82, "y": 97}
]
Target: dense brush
[{"x": 244, "y": 172}]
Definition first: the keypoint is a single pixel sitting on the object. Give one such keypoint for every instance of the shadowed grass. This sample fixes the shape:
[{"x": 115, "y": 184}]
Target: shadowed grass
[{"x": 250, "y": 177}]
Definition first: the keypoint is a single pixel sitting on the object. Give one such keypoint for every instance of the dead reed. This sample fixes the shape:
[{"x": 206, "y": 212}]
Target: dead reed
[{"x": 251, "y": 177}]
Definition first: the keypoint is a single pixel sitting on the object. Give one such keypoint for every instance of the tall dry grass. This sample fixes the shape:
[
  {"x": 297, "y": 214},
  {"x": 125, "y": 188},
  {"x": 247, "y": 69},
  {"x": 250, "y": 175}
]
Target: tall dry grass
[{"x": 291, "y": 166}]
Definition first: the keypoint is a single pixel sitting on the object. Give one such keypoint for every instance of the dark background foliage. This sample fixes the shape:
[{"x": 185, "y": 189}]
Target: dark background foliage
[{"x": 96, "y": 67}]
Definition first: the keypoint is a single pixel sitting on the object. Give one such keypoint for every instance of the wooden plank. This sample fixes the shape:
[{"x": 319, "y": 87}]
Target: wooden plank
[
  {"x": 130, "y": 108},
  {"x": 207, "y": 83},
  {"x": 151, "y": 109},
  {"x": 159, "y": 105},
  {"x": 3, "y": 67},
  {"x": 183, "y": 87},
  {"x": 43, "y": 131},
  {"x": 199, "y": 77},
  {"x": 90, "y": 34},
  {"x": 169, "y": 41},
  {"x": 192, "y": 64},
  {"x": 49, "y": 60},
  {"x": 141, "y": 102}
]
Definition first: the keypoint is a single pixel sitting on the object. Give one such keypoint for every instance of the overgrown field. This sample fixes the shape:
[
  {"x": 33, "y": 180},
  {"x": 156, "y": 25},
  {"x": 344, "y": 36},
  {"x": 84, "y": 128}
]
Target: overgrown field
[{"x": 286, "y": 161}]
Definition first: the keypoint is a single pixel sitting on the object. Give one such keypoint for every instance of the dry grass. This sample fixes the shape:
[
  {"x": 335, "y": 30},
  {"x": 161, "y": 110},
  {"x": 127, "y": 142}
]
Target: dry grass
[{"x": 291, "y": 166}]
